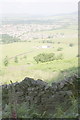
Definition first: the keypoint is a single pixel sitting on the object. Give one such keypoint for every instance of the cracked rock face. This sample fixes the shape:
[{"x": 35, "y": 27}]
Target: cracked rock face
[{"x": 44, "y": 96}]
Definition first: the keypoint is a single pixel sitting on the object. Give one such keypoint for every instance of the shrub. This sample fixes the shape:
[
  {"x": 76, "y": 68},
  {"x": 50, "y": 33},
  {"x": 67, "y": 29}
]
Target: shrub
[
  {"x": 71, "y": 44},
  {"x": 6, "y": 61},
  {"x": 35, "y": 115},
  {"x": 78, "y": 55},
  {"x": 60, "y": 56},
  {"x": 36, "y": 59},
  {"x": 58, "y": 42},
  {"x": 59, "y": 49},
  {"x": 6, "y": 112},
  {"x": 25, "y": 57}
]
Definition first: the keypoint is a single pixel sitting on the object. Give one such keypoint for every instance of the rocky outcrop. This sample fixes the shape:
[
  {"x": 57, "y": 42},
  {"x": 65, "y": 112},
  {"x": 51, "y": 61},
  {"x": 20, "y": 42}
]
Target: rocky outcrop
[{"x": 44, "y": 96}]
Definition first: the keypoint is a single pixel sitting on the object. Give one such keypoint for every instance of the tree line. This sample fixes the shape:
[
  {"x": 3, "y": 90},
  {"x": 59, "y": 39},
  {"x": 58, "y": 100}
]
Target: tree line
[{"x": 6, "y": 39}]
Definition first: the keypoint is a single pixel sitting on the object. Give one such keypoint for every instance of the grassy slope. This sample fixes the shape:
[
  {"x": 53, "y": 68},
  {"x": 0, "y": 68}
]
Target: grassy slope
[{"x": 28, "y": 67}]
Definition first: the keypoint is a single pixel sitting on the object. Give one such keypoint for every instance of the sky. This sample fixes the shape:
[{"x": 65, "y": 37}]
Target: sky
[{"x": 38, "y": 7}]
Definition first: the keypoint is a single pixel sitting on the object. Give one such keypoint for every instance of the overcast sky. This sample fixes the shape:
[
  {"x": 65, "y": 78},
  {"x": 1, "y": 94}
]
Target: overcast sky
[{"x": 38, "y": 7}]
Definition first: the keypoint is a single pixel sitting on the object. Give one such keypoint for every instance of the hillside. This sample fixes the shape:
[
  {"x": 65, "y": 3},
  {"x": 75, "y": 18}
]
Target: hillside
[
  {"x": 44, "y": 51},
  {"x": 23, "y": 41}
]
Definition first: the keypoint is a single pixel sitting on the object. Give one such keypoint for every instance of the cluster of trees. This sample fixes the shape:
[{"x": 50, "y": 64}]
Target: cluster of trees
[
  {"x": 46, "y": 57},
  {"x": 5, "y": 39},
  {"x": 6, "y": 60}
]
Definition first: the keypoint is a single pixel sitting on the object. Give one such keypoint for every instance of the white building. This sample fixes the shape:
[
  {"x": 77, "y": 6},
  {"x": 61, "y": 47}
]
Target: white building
[{"x": 44, "y": 46}]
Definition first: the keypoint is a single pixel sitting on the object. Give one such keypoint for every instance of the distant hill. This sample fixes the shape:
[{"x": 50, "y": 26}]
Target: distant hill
[{"x": 26, "y": 19}]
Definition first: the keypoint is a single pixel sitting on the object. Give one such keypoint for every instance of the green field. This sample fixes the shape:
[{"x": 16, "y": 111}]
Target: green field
[
  {"x": 64, "y": 38},
  {"x": 27, "y": 67}
]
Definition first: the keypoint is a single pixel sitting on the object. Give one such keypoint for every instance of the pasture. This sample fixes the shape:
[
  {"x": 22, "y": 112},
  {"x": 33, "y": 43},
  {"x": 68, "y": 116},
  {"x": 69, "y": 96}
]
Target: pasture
[{"x": 26, "y": 51}]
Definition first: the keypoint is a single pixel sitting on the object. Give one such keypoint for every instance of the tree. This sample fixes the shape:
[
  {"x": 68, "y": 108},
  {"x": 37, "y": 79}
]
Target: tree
[
  {"x": 6, "y": 61},
  {"x": 25, "y": 57},
  {"x": 36, "y": 59},
  {"x": 71, "y": 44},
  {"x": 60, "y": 56},
  {"x": 16, "y": 59},
  {"x": 59, "y": 49}
]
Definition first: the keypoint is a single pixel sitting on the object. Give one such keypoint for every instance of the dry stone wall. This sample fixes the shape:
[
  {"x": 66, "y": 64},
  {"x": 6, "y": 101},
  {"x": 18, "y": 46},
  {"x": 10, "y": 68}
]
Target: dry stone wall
[{"x": 44, "y": 96}]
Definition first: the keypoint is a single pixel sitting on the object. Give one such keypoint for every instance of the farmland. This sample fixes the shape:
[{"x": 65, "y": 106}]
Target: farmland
[{"x": 35, "y": 38}]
